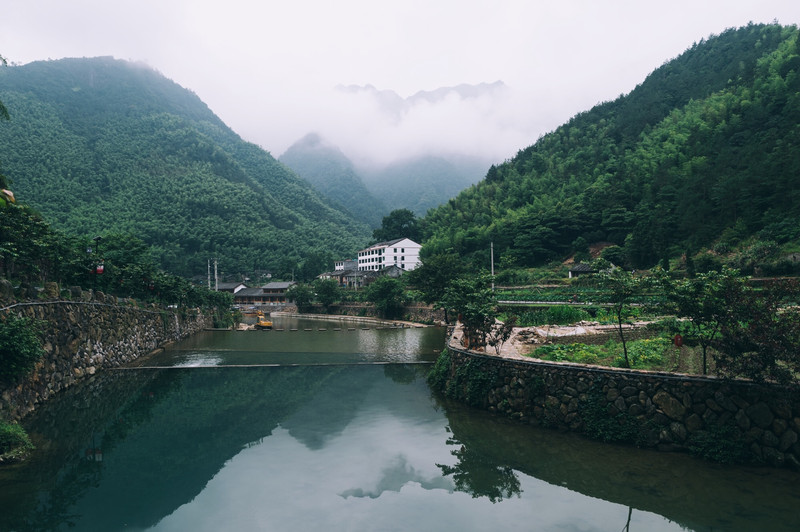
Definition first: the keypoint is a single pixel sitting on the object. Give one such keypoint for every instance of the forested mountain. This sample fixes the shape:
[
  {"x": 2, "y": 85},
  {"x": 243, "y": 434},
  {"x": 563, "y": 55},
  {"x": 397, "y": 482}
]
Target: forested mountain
[
  {"x": 369, "y": 193},
  {"x": 105, "y": 146},
  {"x": 331, "y": 173},
  {"x": 704, "y": 153},
  {"x": 421, "y": 183}
]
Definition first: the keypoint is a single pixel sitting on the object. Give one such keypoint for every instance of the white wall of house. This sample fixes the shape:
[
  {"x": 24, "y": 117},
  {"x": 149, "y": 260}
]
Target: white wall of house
[
  {"x": 403, "y": 253},
  {"x": 341, "y": 265}
]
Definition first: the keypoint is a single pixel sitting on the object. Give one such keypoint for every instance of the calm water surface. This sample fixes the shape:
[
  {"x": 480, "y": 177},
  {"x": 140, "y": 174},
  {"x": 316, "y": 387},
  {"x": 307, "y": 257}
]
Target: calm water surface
[{"x": 337, "y": 430}]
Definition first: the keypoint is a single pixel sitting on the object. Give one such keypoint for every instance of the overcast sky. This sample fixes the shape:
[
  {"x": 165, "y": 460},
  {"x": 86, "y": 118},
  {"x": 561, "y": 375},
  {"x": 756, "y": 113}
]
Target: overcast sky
[{"x": 270, "y": 69}]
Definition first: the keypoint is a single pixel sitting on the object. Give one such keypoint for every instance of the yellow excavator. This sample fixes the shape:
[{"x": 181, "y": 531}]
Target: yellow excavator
[{"x": 262, "y": 322}]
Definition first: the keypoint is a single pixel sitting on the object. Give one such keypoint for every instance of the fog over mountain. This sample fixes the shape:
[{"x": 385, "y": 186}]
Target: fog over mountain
[
  {"x": 270, "y": 70},
  {"x": 377, "y": 127},
  {"x": 413, "y": 153},
  {"x": 393, "y": 104}
]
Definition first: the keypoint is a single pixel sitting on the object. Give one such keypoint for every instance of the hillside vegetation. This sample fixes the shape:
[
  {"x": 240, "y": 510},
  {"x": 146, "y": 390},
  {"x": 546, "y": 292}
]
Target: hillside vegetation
[
  {"x": 704, "y": 154},
  {"x": 104, "y": 146},
  {"x": 332, "y": 174}
]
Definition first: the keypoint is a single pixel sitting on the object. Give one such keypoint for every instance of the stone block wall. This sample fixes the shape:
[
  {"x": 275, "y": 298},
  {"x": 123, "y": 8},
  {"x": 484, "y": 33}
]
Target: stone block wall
[
  {"x": 663, "y": 411},
  {"x": 83, "y": 337}
]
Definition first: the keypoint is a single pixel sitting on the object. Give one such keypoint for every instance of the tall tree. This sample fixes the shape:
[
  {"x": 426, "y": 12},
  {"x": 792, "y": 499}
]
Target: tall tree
[
  {"x": 760, "y": 331},
  {"x": 700, "y": 301},
  {"x": 327, "y": 292},
  {"x": 434, "y": 275},
  {"x": 388, "y": 296},
  {"x": 475, "y": 303},
  {"x": 302, "y": 295},
  {"x": 400, "y": 223},
  {"x": 621, "y": 290}
]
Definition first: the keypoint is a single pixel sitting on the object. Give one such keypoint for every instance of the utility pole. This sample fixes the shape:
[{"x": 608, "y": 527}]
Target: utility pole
[
  {"x": 209, "y": 274},
  {"x": 216, "y": 277},
  {"x": 492, "y": 259}
]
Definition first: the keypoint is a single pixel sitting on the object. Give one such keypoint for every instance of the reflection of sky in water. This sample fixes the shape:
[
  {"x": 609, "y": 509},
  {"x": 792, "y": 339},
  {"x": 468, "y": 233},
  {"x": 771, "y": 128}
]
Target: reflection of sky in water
[
  {"x": 391, "y": 345},
  {"x": 380, "y": 474}
]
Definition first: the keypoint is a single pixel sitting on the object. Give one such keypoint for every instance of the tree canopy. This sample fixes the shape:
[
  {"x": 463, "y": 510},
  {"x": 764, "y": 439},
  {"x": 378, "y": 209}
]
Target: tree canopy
[
  {"x": 400, "y": 223},
  {"x": 105, "y": 146},
  {"x": 704, "y": 152}
]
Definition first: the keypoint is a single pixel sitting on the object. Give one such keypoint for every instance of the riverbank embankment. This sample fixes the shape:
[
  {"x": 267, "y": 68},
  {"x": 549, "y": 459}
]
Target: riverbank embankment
[
  {"x": 412, "y": 313},
  {"x": 87, "y": 334},
  {"x": 378, "y": 322},
  {"x": 719, "y": 419}
]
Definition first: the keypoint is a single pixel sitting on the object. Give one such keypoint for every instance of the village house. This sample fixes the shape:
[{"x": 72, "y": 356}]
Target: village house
[
  {"x": 351, "y": 277},
  {"x": 231, "y": 288},
  {"x": 270, "y": 294},
  {"x": 581, "y": 269},
  {"x": 402, "y": 253}
]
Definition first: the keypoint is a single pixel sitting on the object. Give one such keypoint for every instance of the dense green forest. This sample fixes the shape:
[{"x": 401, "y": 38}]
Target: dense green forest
[
  {"x": 704, "y": 154},
  {"x": 101, "y": 146},
  {"x": 331, "y": 173}
]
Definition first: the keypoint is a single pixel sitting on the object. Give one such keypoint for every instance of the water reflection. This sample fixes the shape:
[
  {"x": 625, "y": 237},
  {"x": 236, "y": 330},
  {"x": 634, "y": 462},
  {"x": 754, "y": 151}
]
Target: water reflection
[
  {"x": 480, "y": 475},
  {"x": 694, "y": 494},
  {"x": 303, "y": 341},
  {"x": 345, "y": 448}
]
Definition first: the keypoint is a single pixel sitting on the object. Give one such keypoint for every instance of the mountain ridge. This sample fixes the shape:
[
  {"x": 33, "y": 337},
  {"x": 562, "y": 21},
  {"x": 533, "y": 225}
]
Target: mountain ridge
[
  {"x": 331, "y": 173},
  {"x": 100, "y": 145},
  {"x": 703, "y": 154}
]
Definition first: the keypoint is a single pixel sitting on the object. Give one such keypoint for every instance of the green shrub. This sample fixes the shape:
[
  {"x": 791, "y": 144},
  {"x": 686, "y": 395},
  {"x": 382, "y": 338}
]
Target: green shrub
[
  {"x": 600, "y": 424},
  {"x": 580, "y": 353},
  {"x": 471, "y": 382},
  {"x": 555, "y": 315},
  {"x": 437, "y": 378},
  {"x": 648, "y": 352},
  {"x": 20, "y": 347},
  {"x": 14, "y": 441},
  {"x": 720, "y": 443}
]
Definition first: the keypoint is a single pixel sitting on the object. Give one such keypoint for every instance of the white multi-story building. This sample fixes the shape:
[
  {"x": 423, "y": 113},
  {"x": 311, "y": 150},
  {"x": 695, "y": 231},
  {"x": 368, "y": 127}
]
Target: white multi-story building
[{"x": 403, "y": 253}]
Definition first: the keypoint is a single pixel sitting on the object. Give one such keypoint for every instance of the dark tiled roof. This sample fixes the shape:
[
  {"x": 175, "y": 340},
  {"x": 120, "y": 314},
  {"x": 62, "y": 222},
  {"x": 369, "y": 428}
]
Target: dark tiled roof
[
  {"x": 245, "y": 292},
  {"x": 582, "y": 268},
  {"x": 278, "y": 285},
  {"x": 229, "y": 286}
]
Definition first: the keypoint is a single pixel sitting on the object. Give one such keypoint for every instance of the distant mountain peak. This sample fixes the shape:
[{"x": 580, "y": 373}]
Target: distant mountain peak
[
  {"x": 393, "y": 104},
  {"x": 316, "y": 143},
  {"x": 464, "y": 91}
]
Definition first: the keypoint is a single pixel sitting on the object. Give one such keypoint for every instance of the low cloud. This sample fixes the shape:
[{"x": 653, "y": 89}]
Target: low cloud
[{"x": 376, "y": 127}]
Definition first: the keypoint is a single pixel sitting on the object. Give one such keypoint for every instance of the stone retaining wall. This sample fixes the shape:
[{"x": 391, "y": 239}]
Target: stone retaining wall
[
  {"x": 83, "y": 337},
  {"x": 664, "y": 411}
]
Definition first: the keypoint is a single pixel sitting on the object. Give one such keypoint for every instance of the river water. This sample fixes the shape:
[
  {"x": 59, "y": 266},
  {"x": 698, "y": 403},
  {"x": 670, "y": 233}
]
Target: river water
[{"x": 337, "y": 430}]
